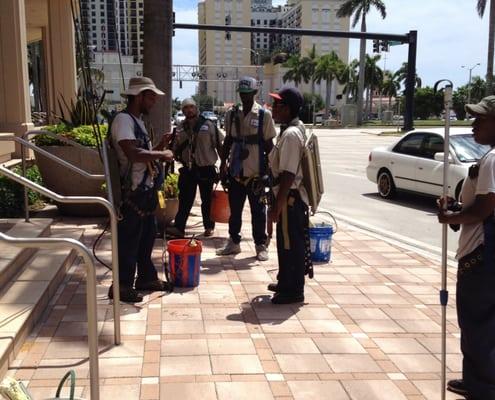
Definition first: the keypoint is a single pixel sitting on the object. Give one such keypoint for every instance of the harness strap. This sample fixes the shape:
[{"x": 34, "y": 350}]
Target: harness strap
[{"x": 261, "y": 143}]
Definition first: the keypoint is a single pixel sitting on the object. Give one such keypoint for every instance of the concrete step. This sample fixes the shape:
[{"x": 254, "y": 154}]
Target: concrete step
[
  {"x": 12, "y": 258},
  {"x": 24, "y": 299}
]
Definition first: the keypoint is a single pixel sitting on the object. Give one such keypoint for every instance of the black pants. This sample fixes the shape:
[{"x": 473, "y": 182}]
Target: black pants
[
  {"x": 136, "y": 239},
  {"x": 291, "y": 248},
  {"x": 189, "y": 180},
  {"x": 475, "y": 299},
  {"x": 237, "y": 197}
]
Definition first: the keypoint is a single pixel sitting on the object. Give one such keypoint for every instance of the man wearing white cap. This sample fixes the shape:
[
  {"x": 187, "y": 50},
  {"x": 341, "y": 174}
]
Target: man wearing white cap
[
  {"x": 249, "y": 133},
  {"x": 197, "y": 146},
  {"x": 141, "y": 177}
]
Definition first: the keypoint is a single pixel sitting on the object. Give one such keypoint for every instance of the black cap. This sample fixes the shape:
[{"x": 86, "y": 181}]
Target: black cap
[{"x": 290, "y": 96}]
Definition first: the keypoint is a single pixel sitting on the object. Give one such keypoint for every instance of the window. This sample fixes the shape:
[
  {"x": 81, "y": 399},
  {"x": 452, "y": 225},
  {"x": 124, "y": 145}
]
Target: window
[
  {"x": 432, "y": 144},
  {"x": 410, "y": 145}
]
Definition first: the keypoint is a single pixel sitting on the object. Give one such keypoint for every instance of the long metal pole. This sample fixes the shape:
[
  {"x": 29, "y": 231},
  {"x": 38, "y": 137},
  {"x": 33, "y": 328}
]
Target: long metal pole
[
  {"x": 444, "y": 294},
  {"x": 55, "y": 243},
  {"x": 25, "y": 189},
  {"x": 79, "y": 200},
  {"x": 410, "y": 81}
]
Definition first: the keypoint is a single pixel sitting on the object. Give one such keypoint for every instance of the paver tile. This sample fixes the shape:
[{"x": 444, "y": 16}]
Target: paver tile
[
  {"x": 416, "y": 362},
  {"x": 185, "y": 365},
  {"x": 302, "y": 363},
  {"x": 188, "y": 391},
  {"x": 231, "y": 346},
  {"x": 339, "y": 346},
  {"x": 373, "y": 390},
  {"x": 293, "y": 346},
  {"x": 236, "y": 364},
  {"x": 400, "y": 345},
  {"x": 243, "y": 390},
  {"x": 312, "y": 390},
  {"x": 184, "y": 347},
  {"x": 352, "y": 363}
]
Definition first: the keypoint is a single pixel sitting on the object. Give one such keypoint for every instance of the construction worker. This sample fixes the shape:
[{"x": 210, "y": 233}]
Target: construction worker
[
  {"x": 289, "y": 208},
  {"x": 196, "y": 146},
  {"x": 249, "y": 133},
  {"x": 140, "y": 178}
]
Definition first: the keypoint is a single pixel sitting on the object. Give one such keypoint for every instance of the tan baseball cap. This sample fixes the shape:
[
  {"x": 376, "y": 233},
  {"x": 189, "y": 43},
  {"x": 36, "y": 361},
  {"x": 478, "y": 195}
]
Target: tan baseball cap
[
  {"x": 140, "y": 84},
  {"x": 188, "y": 102},
  {"x": 485, "y": 107}
]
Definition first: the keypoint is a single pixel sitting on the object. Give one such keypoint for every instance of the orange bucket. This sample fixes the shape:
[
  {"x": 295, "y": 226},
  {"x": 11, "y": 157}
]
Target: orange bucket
[
  {"x": 184, "y": 261},
  {"x": 220, "y": 208}
]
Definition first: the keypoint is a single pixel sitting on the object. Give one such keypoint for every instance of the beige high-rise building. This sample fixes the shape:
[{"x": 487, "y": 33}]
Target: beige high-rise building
[
  {"x": 298, "y": 14},
  {"x": 215, "y": 49}
]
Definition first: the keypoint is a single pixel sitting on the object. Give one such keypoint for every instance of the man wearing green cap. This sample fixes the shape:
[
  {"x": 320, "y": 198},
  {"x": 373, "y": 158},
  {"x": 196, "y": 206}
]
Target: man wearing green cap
[
  {"x": 475, "y": 294},
  {"x": 249, "y": 133}
]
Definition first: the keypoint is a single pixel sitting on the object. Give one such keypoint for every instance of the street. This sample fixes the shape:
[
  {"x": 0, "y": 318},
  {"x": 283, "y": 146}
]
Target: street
[{"x": 348, "y": 193}]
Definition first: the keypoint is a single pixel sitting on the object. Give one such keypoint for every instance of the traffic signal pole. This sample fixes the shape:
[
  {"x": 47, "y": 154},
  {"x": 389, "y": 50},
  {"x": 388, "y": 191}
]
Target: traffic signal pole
[{"x": 409, "y": 39}]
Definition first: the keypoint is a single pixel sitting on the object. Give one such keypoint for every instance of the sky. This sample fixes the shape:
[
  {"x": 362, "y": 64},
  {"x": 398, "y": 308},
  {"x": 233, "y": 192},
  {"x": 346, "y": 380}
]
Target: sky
[{"x": 450, "y": 35}]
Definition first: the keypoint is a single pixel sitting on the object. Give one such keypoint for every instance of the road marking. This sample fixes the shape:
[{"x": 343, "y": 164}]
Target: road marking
[{"x": 348, "y": 175}]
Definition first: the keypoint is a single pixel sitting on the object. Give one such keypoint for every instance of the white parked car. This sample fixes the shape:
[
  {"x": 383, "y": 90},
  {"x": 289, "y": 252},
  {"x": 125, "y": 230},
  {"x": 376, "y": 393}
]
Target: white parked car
[{"x": 415, "y": 162}]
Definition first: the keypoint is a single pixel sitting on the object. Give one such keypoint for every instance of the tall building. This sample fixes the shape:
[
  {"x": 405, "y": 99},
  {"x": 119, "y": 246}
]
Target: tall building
[
  {"x": 224, "y": 52},
  {"x": 113, "y": 25},
  {"x": 297, "y": 14}
]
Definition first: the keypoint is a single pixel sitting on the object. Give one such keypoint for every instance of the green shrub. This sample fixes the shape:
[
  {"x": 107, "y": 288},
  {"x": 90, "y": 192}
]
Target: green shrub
[
  {"x": 12, "y": 193},
  {"x": 171, "y": 186},
  {"x": 83, "y": 134}
]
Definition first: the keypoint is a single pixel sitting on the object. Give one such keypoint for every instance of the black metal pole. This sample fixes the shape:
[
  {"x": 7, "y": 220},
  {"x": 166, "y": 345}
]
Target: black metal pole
[
  {"x": 410, "y": 81},
  {"x": 296, "y": 32}
]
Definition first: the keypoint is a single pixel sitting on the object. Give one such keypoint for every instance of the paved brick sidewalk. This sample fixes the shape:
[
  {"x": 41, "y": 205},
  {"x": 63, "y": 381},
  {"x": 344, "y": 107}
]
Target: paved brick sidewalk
[{"x": 370, "y": 329}]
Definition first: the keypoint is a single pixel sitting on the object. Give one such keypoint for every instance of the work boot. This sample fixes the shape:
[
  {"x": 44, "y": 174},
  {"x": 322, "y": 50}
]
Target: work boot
[
  {"x": 287, "y": 298},
  {"x": 261, "y": 252},
  {"x": 127, "y": 294},
  {"x": 174, "y": 232},
  {"x": 154, "y": 286},
  {"x": 272, "y": 287},
  {"x": 457, "y": 386},
  {"x": 230, "y": 248}
]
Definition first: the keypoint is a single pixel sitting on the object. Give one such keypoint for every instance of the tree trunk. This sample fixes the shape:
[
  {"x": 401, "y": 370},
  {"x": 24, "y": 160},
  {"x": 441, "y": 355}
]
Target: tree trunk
[
  {"x": 491, "y": 45},
  {"x": 157, "y": 59},
  {"x": 362, "y": 57},
  {"x": 328, "y": 98}
]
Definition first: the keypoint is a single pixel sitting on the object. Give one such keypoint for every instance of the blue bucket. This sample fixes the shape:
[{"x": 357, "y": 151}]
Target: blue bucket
[{"x": 320, "y": 237}]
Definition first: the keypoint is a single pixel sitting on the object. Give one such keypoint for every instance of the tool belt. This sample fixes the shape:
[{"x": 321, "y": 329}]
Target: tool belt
[
  {"x": 471, "y": 261},
  {"x": 142, "y": 202}
]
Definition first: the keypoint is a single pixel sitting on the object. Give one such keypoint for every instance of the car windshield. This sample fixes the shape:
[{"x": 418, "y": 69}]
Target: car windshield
[{"x": 466, "y": 149}]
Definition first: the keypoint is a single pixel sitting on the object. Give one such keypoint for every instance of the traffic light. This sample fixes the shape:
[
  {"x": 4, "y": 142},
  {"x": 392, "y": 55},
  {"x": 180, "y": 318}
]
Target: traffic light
[
  {"x": 228, "y": 21},
  {"x": 385, "y": 45},
  {"x": 376, "y": 46}
]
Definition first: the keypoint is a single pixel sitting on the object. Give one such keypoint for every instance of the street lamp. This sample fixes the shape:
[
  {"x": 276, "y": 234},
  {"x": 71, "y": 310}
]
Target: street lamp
[{"x": 469, "y": 81}]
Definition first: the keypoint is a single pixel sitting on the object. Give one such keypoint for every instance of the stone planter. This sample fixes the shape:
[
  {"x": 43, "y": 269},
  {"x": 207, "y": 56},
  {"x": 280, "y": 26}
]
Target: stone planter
[{"x": 63, "y": 181}]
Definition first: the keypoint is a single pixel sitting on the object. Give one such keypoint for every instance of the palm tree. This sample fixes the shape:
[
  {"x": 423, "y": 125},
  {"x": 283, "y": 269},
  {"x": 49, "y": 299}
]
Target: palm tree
[
  {"x": 481, "y": 7},
  {"x": 360, "y": 8},
  {"x": 309, "y": 65},
  {"x": 296, "y": 71},
  {"x": 401, "y": 76},
  {"x": 328, "y": 68},
  {"x": 349, "y": 78},
  {"x": 390, "y": 87},
  {"x": 373, "y": 78}
]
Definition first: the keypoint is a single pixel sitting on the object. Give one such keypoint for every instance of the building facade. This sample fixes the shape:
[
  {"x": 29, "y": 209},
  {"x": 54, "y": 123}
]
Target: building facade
[
  {"x": 258, "y": 48},
  {"x": 114, "y": 25}
]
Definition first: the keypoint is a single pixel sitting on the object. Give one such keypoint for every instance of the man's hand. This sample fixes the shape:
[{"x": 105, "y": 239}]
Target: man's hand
[
  {"x": 166, "y": 139},
  {"x": 166, "y": 155}
]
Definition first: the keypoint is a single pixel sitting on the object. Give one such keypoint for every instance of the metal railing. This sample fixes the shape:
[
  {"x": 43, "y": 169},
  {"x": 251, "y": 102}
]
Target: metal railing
[
  {"x": 75, "y": 200},
  {"x": 54, "y": 243}
]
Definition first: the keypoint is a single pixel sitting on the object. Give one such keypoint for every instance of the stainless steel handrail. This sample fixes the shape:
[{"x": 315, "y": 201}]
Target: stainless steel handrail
[
  {"x": 54, "y": 243},
  {"x": 113, "y": 222}
]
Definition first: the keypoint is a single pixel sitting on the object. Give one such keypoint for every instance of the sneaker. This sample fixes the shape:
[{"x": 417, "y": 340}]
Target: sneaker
[
  {"x": 208, "y": 232},
  {"x": 127, "y": 294},
  {"x": 230, "y": 248},
  {"x": 175, "y": 232},
  {"x": 261, "y": 253},
  {"x": 457, "y": 386},
  {"x": 284, "y": 298}
]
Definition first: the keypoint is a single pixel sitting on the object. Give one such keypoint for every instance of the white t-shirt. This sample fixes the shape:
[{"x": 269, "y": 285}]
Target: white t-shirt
[
  {"x": 286, "y": 155},
  {"x": 123, "y": 129},
  {"x": 472, "y": 235}
]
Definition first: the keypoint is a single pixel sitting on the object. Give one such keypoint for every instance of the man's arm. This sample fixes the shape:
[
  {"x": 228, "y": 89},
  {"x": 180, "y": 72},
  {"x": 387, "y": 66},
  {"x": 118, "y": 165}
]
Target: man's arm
[
  {"x": 286, "y": 180},
  {"x": 135, "y": 153},
  {"x": 483, "y": 206}
]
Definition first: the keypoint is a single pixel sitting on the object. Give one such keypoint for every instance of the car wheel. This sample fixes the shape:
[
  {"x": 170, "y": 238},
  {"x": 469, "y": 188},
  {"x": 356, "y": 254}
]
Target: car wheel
[{"x": 386, "y": 186}]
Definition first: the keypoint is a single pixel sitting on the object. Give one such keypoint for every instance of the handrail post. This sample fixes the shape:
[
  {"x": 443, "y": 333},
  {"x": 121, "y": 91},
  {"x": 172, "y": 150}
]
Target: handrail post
[
  {"x": 78, "y": 200},
  {"x": 91, "y": 309},
  {"x": 25, "y": 189},
  {"x": 115, "y": 242}
]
